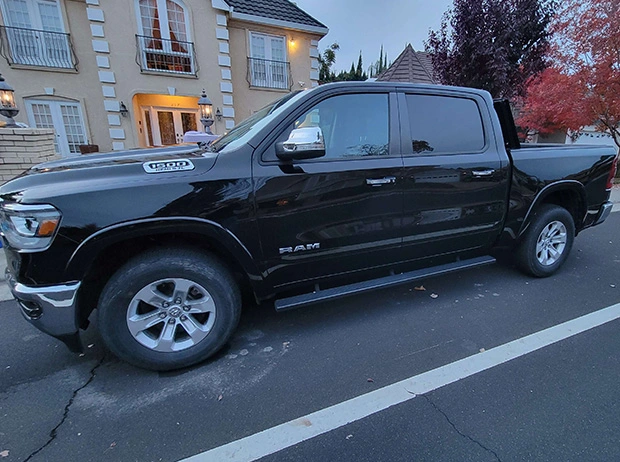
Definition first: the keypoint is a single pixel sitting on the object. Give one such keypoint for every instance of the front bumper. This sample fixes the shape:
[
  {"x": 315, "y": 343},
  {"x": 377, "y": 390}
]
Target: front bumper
[{"x": 51, "y": 309}]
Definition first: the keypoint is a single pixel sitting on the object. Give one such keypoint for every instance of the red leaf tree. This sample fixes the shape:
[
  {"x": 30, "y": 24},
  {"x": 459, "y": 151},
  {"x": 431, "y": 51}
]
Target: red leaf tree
[{"x": 582, "y": 88}]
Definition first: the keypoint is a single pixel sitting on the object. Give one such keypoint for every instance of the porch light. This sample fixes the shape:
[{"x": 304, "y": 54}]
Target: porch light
[
  {"x": 206, "y": 112},
  {"x": 8, "y": 108},
  {"x": 123, "y": 110}
]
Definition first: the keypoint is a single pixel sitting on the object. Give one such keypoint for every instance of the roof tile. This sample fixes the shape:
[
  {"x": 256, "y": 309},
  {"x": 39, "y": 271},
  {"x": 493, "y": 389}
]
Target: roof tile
[
  {"x": 282, "y": 10},
  {"x": 410, "y": 66}
]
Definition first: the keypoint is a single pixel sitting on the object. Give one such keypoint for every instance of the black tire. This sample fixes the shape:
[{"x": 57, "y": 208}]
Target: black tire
[
  {"x": 529, "y": 253},
  {"x": 162, "y": 272}
]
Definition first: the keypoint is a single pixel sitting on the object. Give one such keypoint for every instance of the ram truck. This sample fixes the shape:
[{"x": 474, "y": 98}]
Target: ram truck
[{"x": 324, "y": 193}]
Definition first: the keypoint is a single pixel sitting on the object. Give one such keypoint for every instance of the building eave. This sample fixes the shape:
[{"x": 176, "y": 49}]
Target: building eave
[
  {"x": 220, "y": 5},
  {"x": 277, "y": 22}
]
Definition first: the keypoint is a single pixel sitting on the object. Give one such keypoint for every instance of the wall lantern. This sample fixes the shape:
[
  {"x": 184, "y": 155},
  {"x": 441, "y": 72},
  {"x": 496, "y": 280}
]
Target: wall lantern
[
  {"x": 8, "y": 108},
  {"x": 123, "y": 110},
  {"x": 206, "y": 112}
]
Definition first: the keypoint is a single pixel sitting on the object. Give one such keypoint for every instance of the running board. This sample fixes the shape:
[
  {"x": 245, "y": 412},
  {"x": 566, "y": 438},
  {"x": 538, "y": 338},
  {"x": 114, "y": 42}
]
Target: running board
[{"x": 318, "y": 296}]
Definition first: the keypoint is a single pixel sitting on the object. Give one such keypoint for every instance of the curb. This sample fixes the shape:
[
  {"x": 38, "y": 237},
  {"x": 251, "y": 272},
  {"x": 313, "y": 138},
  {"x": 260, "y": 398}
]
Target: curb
[{"x": 5, "y": 292}]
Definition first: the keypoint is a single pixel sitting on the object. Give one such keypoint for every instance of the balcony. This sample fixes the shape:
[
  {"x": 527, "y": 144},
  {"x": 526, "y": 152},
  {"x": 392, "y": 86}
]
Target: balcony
[
  {"x": 39, "y": 48},
  {"x": 265, "y": 73},
  {"x": 165, "y": 56}
]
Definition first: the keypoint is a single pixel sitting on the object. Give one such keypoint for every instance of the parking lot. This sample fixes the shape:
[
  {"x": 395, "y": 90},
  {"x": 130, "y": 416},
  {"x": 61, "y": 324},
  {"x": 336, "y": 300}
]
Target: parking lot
[{"x": 555, "y": 402}]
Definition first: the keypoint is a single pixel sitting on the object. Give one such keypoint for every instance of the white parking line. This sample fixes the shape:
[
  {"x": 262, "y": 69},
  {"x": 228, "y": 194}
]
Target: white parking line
[{"x": 325, "y": 420}]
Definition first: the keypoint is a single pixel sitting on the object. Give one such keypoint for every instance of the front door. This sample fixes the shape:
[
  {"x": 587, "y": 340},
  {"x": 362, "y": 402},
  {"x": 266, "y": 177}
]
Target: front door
[
  {"x": 455, "y": 179},
  {"x": 66, "y": 120},
  {"x": 338, "y": 213},
  {"x": 166, "y": 127}
]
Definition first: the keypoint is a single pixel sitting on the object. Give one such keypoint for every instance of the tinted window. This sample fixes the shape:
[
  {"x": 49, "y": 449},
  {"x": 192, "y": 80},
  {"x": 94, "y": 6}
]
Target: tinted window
[
  {"x": 444, "y": 125},
  {"x": 352, "y": 125}
]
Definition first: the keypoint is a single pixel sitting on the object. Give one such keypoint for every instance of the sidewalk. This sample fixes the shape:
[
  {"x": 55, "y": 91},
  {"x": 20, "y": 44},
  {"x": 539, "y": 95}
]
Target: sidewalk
[
  {"x": 5, "y": 293},
  {"x": 615, "y": 196}
]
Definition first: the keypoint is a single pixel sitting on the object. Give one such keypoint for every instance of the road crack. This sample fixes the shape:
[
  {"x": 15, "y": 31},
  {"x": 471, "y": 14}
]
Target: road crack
[
  {"x": 54, "y": 432},
  {"x": 489, "y": 450}
]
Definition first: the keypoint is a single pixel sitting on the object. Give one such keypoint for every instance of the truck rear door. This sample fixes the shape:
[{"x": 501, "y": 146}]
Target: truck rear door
[{"x": 456, "y": 173}]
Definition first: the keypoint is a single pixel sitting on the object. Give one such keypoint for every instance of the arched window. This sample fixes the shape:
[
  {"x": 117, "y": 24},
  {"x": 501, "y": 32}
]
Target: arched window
[{"x": 164, "y": 39}]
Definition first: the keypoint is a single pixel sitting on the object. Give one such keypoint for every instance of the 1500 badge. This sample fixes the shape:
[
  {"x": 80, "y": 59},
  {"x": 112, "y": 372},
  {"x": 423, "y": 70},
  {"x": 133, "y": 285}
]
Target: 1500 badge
[
  {"x": 300, "y": 248},
  {"x": 163, "y": 166}
]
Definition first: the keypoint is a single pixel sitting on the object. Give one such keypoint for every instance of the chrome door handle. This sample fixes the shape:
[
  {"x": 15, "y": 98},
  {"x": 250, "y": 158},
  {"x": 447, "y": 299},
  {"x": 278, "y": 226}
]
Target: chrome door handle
[
  {"x": 381, "y": 181},
  {"x": 482, "y": 173}
]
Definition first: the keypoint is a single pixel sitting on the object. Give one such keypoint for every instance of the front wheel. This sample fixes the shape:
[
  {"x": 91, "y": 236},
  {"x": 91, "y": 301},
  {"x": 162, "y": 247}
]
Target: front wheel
[
  {"x": 168, "y": 309},
  {"x": 547, "y": 242}
]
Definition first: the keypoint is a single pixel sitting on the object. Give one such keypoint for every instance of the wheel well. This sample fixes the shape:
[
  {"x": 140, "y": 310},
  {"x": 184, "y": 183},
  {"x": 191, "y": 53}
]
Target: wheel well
[
  {"x": 111, "y": 258},
  {"x": 572, "y": 201}
]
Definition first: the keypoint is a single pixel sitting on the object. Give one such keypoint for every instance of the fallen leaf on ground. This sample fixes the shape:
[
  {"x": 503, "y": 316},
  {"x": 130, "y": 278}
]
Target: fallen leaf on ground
[
  {"x": 613, "y": 286},
  {"x": 434, "y": 295},
  {"x": 4, "y": 453},
  {"x": 482, "y": 350},
  {"x": 369, "y": 380},
  {"x": 420, "y": 288},
  {"x": 286, "y": 344},
  {"x": 91, "y": 345},
  {"x": 349, "y": 437},
  {"x": 220, "y": 398}
]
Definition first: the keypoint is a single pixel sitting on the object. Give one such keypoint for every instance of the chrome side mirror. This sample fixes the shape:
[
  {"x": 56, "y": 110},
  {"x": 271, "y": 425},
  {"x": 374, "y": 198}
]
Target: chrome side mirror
[{"x": 302, "y": 143}]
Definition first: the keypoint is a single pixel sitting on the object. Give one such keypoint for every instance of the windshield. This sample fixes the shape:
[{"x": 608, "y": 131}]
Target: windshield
[{"x": 246, "y": 129}]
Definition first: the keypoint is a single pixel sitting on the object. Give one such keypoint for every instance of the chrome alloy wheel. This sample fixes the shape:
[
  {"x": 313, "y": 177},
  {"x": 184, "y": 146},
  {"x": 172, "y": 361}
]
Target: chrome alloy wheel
[
  {"x": 171, "y": 315},
  {"x": 551, "y": 243}
]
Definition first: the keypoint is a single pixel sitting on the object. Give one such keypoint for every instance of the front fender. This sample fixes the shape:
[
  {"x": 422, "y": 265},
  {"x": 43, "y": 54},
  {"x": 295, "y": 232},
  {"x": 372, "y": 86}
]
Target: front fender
[{"x": 214, "y": 233}]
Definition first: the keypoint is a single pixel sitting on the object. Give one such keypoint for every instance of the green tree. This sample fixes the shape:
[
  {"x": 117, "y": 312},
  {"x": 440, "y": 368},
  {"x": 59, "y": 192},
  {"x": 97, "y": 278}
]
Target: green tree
[
  {"x": 380, "y": 65},
  {"x": 359, "y": 71},
  {"x": 326, "y": 60}
]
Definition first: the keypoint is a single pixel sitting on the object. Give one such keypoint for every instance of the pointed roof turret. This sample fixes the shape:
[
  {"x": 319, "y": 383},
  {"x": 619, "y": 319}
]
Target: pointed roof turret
[{"x": 410, "y": 66}]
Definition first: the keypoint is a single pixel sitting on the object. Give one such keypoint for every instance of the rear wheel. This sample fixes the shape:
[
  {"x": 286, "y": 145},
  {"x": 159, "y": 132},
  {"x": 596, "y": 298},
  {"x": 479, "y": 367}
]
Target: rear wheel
[
  {"x": 547, "y": 242},
  {"x": 168, "y": 309}
]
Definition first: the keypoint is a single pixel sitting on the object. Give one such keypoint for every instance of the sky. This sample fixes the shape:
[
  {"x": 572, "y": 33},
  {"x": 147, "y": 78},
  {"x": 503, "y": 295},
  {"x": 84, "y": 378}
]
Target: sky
[{"x": 365, "y": 25}]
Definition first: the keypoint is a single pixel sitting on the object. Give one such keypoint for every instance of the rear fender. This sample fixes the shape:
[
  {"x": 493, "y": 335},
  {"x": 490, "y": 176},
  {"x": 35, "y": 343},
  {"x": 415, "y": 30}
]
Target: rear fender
[{"x": 559, "y": 186}]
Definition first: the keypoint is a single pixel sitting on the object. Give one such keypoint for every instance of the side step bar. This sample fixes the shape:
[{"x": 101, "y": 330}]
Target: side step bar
[{"x": 318, "y": 296}]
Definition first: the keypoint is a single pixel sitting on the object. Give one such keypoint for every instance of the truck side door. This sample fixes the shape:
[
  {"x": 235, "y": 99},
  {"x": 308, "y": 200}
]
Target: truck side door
[
  {"x": 456, "y": 175},
  {"x": 338, "y": 213}
]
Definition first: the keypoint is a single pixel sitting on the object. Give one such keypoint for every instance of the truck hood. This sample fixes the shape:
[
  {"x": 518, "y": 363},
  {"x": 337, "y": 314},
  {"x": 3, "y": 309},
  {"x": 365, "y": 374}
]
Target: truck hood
[
  {"x": 105, "y": 171},
  {"x": 117, "y": 158}
]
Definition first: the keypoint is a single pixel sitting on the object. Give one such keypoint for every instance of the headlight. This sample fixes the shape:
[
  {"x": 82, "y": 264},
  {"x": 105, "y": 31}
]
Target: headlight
[{"x": 29, "y": 227}]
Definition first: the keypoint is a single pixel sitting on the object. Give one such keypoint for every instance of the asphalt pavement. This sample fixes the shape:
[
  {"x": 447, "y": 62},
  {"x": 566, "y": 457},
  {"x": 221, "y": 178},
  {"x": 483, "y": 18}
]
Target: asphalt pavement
[{"x": 555, "y": 403}]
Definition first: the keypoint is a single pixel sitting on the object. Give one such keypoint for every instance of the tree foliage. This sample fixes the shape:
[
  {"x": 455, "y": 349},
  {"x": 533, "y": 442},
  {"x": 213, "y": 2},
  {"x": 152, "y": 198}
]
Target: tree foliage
[
  {"x": 583, "y": 86},
  {"x": 326, "y": 60},
  {"x": 496, "y": 45},
  {"x": 380, "y": 65}
]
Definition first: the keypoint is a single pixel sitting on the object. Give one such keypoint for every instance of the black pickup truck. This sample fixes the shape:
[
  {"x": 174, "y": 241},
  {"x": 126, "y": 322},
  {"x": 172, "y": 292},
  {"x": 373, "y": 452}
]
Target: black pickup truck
[{"x": 324, "y": 193}]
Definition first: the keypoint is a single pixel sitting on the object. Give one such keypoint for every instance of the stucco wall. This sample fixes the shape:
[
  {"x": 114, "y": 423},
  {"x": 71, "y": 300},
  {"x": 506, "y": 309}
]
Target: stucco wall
[
  {"x": 67, "y": 85},
  {"x": 249, "y": 99},
  {"x": 116, "y": 21}
]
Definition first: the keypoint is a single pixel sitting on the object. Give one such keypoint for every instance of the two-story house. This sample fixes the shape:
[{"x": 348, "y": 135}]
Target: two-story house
[{"x": 128, "y": 73}]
